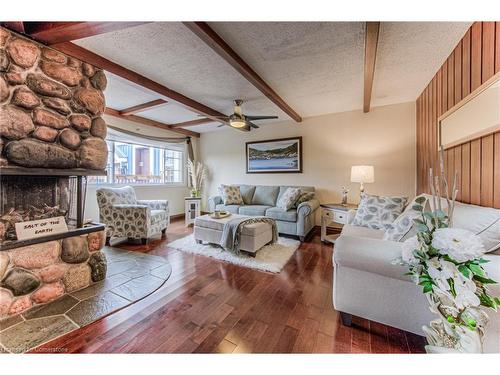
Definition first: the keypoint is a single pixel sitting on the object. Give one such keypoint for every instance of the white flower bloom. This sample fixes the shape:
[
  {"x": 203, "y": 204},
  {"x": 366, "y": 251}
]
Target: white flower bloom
[
  {"x": 439, "y": 278},
  {"x": 459, "y": 244},
  {"x": 410, "y": 245},
  {"x": 466, "y": 298}
]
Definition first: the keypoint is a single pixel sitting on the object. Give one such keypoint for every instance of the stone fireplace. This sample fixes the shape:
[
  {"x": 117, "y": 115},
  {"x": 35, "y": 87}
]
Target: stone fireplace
[{"x": 52, "y": 136}]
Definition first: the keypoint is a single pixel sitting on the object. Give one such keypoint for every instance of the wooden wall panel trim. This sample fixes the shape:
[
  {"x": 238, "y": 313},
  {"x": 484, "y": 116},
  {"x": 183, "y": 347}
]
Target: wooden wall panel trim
[
  {"x": 475, "y": 172},
  {"x": 475, "y": 59},
  {"x": 476, "y": 42},
  {"x": 466, "y": 64},
  {"x": 488, "y": 51},
  {"x": 444, "y": 72},
  {"x": 458, "y": 168},
  {"x": 497, "y": 47},
  {"x": 458, "y": 72},
  {"x": 496, "y": 171},
  {"x": 487, "y": 157},
  {"x": 465, "y": 186},
  {"x": 451, "y": 81}
]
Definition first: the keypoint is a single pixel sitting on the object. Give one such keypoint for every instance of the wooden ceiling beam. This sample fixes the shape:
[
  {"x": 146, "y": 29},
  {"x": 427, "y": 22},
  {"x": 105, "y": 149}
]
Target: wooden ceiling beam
[
  {"x": 149, "y": 122},
  {"x": 112, "y": 67},
  {"x": 142, "y": 107},
  {"x": 59, "y": 32},
  {"x": 17, "y": 26},
  {"x": 186, "y": 124},
  {"x": 371, "y": 42},
  {"x": 214, "y": 41}
]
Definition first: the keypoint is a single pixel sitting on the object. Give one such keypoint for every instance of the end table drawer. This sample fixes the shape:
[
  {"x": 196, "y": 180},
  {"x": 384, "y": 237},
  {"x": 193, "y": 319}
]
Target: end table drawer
[{"x": 340, "y": 217}]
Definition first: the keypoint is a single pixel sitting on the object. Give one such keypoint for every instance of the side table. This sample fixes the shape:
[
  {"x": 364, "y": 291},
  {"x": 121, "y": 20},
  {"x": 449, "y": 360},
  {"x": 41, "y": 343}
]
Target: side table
[
  {"x": 192, "y": 208},
  {"x": 336, "y": 213}
]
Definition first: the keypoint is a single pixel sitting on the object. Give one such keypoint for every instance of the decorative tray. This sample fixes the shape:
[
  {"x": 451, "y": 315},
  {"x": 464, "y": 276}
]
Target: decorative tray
[{"x": 222, "y": 215}]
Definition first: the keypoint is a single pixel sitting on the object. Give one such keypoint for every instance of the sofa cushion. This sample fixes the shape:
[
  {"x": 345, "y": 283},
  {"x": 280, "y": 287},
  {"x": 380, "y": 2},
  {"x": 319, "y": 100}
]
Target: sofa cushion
[
  {"x": 253, "y": 210},
  {"x": 233, "y": 208},
  {"x": 279, "y": 214},
  {"x": 247, "y": 192},
  {"x": 303, "y": 189},
  {"x": 404, "y": 226},
  {"x": 483, "y": 221},
  {"x": 378, "y": 212},
  {"x": 231, "y": 194},
  {"x": 304, "y": 197},
  {"x": 265, "y": 195},
  {"x": 355, "y": 231},
  {"x": 288, "y": 199}
]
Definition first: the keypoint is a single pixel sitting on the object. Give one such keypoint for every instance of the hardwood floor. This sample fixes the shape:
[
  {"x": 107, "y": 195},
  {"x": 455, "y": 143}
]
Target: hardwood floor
[{"x": 212, "y": 307}]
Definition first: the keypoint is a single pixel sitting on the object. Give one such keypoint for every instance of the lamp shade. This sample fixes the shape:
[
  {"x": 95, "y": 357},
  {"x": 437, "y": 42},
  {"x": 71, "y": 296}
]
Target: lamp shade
[{"x": 362, "y": 173}]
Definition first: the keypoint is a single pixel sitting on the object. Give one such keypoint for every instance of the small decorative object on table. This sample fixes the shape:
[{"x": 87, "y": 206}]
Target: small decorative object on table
[
  {"x": 345, "y": 191},
  {"x": 336, "y": 213},
  {"x": 447, "y": 263},
  {"x": 192, "y": 209},
  {"x": 197, "y": 174}
]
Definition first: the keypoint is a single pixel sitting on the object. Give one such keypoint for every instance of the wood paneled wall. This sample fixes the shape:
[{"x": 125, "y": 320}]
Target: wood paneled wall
[{"x": 474, "y": 60}]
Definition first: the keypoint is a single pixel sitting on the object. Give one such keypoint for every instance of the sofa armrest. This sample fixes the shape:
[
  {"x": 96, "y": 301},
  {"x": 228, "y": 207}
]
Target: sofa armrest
[
  {"x": 370, "y": 255},
  {"x": 154, "y": 204},
  {"x": 214, "y": 201},
  {"x": 350, "y": 216},
  {"x": 307, "y": 208}
]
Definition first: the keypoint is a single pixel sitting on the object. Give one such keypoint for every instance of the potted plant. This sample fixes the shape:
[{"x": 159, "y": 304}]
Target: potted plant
[{"x": 197, "y": 173}]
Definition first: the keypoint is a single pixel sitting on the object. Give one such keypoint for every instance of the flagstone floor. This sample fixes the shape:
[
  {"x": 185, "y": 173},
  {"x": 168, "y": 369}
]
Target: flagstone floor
[{"x": 131, "y": 276}]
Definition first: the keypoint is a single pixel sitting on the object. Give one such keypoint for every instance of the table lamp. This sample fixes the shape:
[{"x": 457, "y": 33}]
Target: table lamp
[{"x": 362, "y": 174}]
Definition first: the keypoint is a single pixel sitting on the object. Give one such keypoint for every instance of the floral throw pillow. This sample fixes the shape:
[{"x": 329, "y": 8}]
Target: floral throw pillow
[
  {"x": 288, "y": 198},
  {"x": 304, "y": 197},
  {"x": 231, "y": 194},
  {"x": 378, "y": 212},
  {"x": 404, "y": 227}
]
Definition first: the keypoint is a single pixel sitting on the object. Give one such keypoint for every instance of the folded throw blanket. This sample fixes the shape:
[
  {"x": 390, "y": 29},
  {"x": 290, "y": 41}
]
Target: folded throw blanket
[{"x": 231, "y": 233}]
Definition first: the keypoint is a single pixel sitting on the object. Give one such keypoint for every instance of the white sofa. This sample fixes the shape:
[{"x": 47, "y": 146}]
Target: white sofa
[{"x": 366, "y": 284}]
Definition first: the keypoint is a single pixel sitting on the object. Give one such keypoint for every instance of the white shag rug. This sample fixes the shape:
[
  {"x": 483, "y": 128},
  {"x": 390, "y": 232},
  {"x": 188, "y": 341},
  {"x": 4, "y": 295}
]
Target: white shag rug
[{"x": 271, "y": 258}]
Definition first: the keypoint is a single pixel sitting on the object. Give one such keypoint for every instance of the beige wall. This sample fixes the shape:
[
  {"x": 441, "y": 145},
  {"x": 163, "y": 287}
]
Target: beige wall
[
  {"x": 174, "y": 194},
  {"x": 384, "y": 137}
]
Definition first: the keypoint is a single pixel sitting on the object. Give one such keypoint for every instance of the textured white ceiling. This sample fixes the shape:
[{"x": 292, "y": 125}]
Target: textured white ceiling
[
  {"x": 317, "y": 67},
  {"x": 408, "y": 56}
]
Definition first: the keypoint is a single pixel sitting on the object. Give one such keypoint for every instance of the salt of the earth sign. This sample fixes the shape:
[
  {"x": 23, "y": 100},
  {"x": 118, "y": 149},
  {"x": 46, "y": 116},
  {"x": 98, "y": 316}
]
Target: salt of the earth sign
[{"x": 39, "y": 228}]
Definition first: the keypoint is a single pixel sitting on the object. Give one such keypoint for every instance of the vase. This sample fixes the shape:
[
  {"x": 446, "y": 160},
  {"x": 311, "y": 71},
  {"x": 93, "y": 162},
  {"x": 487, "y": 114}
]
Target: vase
[{"x": 445, "y": 337}]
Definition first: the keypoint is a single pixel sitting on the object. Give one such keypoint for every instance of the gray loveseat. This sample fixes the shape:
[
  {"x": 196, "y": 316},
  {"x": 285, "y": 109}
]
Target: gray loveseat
[{"x": 260, "y": 200}]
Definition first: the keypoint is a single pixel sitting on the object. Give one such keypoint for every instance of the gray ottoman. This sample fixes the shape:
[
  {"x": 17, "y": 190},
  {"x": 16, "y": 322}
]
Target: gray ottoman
[{"x": 253, "y": 236}]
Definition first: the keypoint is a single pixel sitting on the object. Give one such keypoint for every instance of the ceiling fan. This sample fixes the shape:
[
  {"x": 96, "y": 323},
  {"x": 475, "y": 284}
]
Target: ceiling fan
[{"x": 240, "y": 121}]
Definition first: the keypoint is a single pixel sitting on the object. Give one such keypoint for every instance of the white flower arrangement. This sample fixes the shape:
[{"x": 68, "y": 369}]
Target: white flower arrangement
[{"x": 447, "y": 263}]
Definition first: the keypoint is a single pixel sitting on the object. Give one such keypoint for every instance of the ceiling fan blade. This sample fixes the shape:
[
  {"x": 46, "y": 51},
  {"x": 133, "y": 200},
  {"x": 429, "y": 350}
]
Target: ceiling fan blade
[
  {"x": 251, "y": 118},
  {"x": 222, "y": 117},
  {"x": 221, "y": 125},
  {"x": 252, "y": 125}
]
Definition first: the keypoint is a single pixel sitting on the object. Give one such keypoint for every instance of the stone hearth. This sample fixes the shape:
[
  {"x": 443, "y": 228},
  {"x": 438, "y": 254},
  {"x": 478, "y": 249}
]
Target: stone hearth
[
  {"x": 131, "y": 276},
  {"x": 40, "y": 273}
]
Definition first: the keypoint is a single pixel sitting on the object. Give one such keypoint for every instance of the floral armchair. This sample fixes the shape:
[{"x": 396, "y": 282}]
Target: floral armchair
[{"x": 126, "y": 216}]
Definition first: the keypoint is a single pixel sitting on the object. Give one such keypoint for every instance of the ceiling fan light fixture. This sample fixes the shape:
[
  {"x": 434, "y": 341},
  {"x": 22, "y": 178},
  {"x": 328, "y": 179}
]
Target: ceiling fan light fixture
[{"x": 237, "y": 123}]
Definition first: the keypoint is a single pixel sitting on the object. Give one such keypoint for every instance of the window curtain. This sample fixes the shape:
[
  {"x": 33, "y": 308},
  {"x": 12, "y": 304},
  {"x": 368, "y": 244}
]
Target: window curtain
[{"x": 122, "y": 135}]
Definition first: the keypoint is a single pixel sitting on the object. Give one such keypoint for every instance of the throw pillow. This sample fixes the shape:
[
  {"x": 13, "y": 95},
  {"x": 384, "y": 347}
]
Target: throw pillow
[
  {"x": 231, "y": 194},
  {"x": 288, "y": 198},
  {"x": 378, "y": 212},
  {"x": 304, "y": 197},
  {"x": 404, "y": 227}
]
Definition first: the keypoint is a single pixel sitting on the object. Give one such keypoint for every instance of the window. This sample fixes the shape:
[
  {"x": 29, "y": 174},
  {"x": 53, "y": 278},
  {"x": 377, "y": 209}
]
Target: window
[{"x": 130, "y": 163}]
